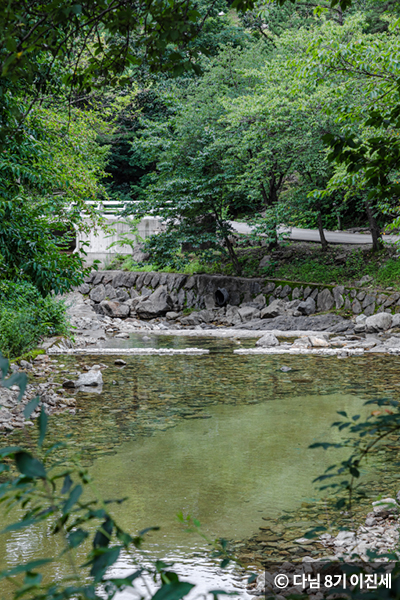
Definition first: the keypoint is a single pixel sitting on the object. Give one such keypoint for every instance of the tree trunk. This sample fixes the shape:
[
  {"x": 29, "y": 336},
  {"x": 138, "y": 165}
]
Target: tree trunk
[
  {"x": 273, "y": 191},
  {"x": 324, "y": 243},
  {"x": 374, "y": 229},
  {"x": 264, "y": 195},
  {"x": 233, "y": 256}
]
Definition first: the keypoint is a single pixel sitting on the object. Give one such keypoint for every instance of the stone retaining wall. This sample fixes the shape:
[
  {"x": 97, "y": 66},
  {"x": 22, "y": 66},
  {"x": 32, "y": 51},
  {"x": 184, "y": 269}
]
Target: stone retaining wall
[{"x": 198, "y": 292}]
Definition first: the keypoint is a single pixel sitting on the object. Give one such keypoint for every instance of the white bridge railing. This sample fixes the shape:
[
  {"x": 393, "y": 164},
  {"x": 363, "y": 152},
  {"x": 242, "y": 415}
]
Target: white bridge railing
[{"x": 110, "y": 207}]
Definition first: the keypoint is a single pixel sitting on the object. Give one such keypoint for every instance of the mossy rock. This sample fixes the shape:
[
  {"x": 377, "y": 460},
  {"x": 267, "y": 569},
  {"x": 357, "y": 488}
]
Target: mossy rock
[{"x": 29, "y": 356}]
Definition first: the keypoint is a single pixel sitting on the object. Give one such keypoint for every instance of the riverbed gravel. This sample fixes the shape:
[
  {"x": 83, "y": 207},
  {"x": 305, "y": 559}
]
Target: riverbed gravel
[
  {"x": 54, "y": 397},
  {"x": 373, "y": 543},
  {"x": 92, "y": 331}
]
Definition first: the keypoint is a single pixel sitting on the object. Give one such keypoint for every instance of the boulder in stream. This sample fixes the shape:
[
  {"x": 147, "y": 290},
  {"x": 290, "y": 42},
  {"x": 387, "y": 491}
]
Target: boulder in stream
[
  {"x": 268, "y": 340},
  {"x": 91, "y": 378}
]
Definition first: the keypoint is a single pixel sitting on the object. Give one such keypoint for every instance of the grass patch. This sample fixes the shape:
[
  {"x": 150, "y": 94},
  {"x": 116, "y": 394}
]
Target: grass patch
[
  {"x": 311, "y": 271},
  {"x": 29, "y": 356},
  {"x": 388, "y": 273},
  {"x": 384, "y": 273},
  {"x": 194, "y": 266}
]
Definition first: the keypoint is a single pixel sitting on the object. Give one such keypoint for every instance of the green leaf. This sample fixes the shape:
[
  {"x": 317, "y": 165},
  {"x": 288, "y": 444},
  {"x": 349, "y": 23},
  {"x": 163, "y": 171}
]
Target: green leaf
[
  {"x": 73, "y": 497},
  {"x": 173, "y": 591},
  {"x": 9, "y": 450},
  {"x": 29, "y": 466},
  {"x": 103, "y": 560},
  {"x": 122, "y": 582},
  {"x": 31, "y": 407},
  {"x": 103, "y": 535},
  {"x": 354, "y": 472},
  {"x": 124, "y": 537},
  {"x": 224, "y": 563},
  {"x": 324, "y": 445},
  {"x": 21, "y": 524},
  {"x": 4, "y": 366},
  {"x": 33, "y": 579},
  {"x": 75, "y": 538},
  {"x": 42, "y": 422},
  {"x": 169, "y": 577},
  {"x": 144, "y": 531},
  {"x": 30, "y": 566},
  {"x": 67, "y": 484}
]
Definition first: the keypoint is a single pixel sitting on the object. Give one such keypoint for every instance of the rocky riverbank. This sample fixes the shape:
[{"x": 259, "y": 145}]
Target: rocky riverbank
[
  {"x": 312, "y": 557},
  {"x": 281, "y": 328},
  {"x": 117, "y": 304},
  {"x": 54, "y": 397}
]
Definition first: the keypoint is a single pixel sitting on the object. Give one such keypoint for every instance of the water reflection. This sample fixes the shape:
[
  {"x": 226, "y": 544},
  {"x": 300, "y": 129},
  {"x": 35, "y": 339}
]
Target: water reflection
[
  {"x": 221, "y": 437},
  {"x": 226, "y": 471}
]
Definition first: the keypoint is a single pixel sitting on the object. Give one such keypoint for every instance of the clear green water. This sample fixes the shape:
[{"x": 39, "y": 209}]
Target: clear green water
[{"x": 221, "y": 437}]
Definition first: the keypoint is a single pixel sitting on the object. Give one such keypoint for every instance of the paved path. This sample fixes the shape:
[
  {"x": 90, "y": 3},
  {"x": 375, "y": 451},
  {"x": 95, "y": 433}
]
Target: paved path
[{"x": 312, "y": 235}]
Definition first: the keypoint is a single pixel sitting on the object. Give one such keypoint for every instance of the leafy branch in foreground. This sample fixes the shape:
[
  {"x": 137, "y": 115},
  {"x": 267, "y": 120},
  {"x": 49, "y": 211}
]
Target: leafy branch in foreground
[
  {"x": 365, "y": 438},
  {"x": 65, "y": 503}
]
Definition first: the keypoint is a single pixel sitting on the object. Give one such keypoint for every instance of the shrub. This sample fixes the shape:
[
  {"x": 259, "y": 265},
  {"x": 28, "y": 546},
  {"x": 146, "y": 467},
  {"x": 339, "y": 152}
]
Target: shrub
[
  {"x": 12, "y": 292},
  {"x": 26, "y": 316}
]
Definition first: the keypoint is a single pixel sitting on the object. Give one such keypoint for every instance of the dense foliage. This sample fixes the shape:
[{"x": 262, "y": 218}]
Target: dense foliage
[
  {"x": 46, "y": 179},
  {"x": 26, "y": 316},
  {"x": 201, "y": 113},
  {"x": 251, "y": 138},
  {"x": 54, "y": 58},
  {"x": 69, "y": 74}
]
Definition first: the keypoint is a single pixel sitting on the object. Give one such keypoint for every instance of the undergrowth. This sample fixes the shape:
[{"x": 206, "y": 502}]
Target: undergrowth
[
  {"x": 26, "y": 316},
  {"x": 195, "y": 266},
  {"x": 383, "y": 274}
]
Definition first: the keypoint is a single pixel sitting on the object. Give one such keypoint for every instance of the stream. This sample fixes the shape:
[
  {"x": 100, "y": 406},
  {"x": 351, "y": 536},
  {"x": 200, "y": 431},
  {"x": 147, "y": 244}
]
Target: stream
[{"x": 221, "y": 437}]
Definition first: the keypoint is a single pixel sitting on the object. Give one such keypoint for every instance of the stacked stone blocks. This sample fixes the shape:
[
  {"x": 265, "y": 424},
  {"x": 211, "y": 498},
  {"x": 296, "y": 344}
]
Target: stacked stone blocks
[{"x": 120, "y": 291}]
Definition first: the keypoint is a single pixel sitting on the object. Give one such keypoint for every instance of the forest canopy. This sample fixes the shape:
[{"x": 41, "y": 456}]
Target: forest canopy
[{"x": 200, "y": 112}]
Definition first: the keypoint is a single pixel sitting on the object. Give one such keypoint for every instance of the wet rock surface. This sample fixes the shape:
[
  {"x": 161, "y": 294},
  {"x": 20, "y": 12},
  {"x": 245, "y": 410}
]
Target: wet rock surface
[
  {"x": 53, "y": 397},
  {"x": 93, "y": 378},
  {"x": 268, "y": 340},
  {"x": 333, "y": 323},
  {"x": 378, "y": 536}
]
